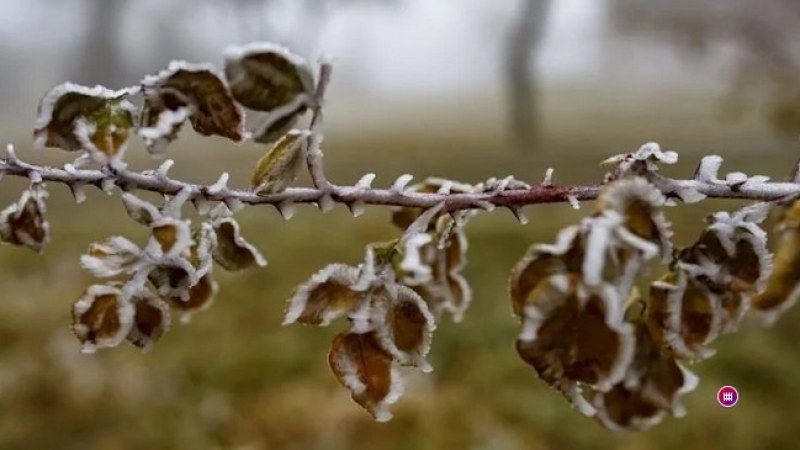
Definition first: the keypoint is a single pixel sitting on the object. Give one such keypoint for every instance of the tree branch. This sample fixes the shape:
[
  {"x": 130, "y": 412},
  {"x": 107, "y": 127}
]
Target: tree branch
[{"x": 163, "y": 184}]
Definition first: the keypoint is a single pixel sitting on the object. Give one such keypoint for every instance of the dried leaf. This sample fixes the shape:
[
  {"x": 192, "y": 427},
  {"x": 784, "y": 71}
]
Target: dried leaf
[
  {"x": 325, "y": 297},
  {"x": 200, "y": 297},
  {"x": 265, "y": 76},
  {"x": 653, "y": 386},
  {"x": 683, "y": 316},
  {"x": 275, "y": 127},
  {"x": 23, "y": 223},
  {"x": 74, "y": 117},
  {"x": 174, "y": 237},
  {"x": 102, "y": 317},
  {"x": 783, "y": 285},
  {"x": 150, "y": 321},
  {"x": 111, "y": 257},
  {"x": 201, "y": 89},
  {"x": 232, "y": 251},
  {"x": 641, "y": 206},
  {"x": 139, "y": 210},
  {"x": 279, "y": 167},
  {"x": 570, "y": 336},
  {"x": 541, "y": 261},
  {"x": 362, "y": 366},
  {"x": 403, "y": 325}
]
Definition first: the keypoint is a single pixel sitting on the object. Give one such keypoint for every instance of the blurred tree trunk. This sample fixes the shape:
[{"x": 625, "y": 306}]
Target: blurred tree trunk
[
  {"x": 521, "y": 82},
  {"x": 100, "y": 59}
]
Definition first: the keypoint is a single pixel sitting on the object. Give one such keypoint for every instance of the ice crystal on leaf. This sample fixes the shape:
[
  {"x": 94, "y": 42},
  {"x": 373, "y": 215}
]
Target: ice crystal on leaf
[{"x": 23, "y": 222}]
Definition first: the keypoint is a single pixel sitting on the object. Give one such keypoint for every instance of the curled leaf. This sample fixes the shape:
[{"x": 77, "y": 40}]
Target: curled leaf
[
  {"x": 102, "y": 317},
  {"x": 641, "y": 206},
  {"x": 571, "y": 336},
  {"x": 111, "y": 257},
  {"x": 683, "y": 316},
  {"x": 653, "y": 386},
  {"x": 174, "y": 237},
  {"x": 264, "y": 76},
  {"x": 139, "y": 210},
  {"x": 151, "y": 319},
  {"x": 74, "y": 117},
  {"x": 362, "y": 366},
  {"x": 200, "y": 297},
  {"x": 783, "y": 284},
  {"x": 326, "y": 296},
  {"x": 403, "y": 325},
  {"x": 233, "y": 252},
  {"x": 193, "y": 89},
  {"x": 23, "y": 223},
  {"x": 543, "y": 260},
  {"x": 279, "y": 167}
]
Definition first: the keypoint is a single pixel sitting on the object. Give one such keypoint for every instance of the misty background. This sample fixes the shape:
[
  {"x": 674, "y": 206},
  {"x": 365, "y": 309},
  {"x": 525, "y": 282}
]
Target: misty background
[{"x": 463, "y": 89}]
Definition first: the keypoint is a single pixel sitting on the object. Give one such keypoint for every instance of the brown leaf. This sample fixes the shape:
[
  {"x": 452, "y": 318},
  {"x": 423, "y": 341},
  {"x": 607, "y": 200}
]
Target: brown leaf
[
  {"x": 542, "y": 261},
  {"x": 102, "y": 317},
  {"x": 197, "y": 87},
  {"x": 362, "y": 366},
  {"x": 653, "y": 385},
  {"x": 151, "y": 320},
  {"x": 783, "y": 285},
  {"x": 404, "y": 325},
  {"x": 264, "y": 76},
  {"x": 325, "y": 297},
  {"x": 23, "y": 223},
  {"x": 570, "y": 337},
  {"x": 233, "y": 252},
  {"x": 641, "y": 206},
  {"x": 201, "y": 296},
  {"x": 74, "y": 117},
  {"x": 111, "y": 257}
]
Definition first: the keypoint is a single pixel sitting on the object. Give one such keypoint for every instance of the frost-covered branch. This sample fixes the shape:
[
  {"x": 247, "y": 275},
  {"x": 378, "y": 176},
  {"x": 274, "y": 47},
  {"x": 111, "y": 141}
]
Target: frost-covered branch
[
  {"x": 627, "y": 367},
  {"x": 159, "y": 181}
]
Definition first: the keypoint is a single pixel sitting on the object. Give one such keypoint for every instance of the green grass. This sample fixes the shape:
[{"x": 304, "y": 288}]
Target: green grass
[{"x": 235, "y": 378}]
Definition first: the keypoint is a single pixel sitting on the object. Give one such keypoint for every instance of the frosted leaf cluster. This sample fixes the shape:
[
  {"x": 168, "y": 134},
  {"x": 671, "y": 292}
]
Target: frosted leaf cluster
[
  {"x": 172, "y": 270},
  {"x": 589, "y": 333}
]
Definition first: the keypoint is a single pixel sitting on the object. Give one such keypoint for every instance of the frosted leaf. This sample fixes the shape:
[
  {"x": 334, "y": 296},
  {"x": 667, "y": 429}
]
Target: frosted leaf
[
  {"x": 652, "y": 387},
  {"x": 264, "y": 76},
  {"x": 543, "y": 260},
  {"x": 201, "y": 89},
  {"x": 172, "y": 277},
  {"x": 174, "y": 236},
  {"x": 199, "y": 297},
  {"x": 641, "y": 206},
  {"x": 645, "y": 159},
  {"x": 161, "y": 126},
  {"x": 280, "y": 122},
  {"x": 233, "y": 252},
  {"x": 204, "y": 241},
  {"x": 326, "y": 296},
  {"x": 403, "y": 325},
  {"x": 683, "y": 316},
  {"x": 74, "y": 117},
  {"x": 362, "y": 366},
  {"x": 573, "y": 337},
  {"x": 708, "y": 170},
  {"x": 412, "y": 263},
  {"x": 782, "y": 287},
  {"x": 102, "y": 317},
  {"x": 279, "y": 167},
  {"x": 23, "y": 223},
  {"x": 139, "y": 210},
  {"x": 111, "y": 257},
  {"x": 151, "y": 319}
]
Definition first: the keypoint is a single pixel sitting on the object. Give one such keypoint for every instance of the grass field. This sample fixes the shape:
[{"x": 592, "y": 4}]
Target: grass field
[{"x": 234, "y": 378}]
